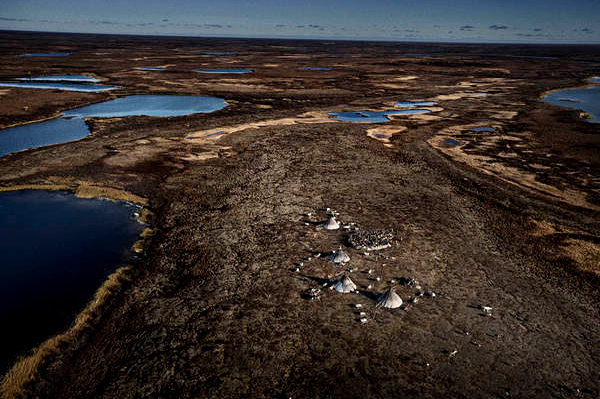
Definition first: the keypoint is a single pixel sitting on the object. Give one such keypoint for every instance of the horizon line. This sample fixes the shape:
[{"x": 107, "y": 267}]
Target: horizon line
[{"x": 308, "y": 38}]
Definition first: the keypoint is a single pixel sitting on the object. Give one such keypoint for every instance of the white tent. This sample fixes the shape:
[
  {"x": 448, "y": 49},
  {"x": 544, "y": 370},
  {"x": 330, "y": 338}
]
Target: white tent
[
  {"x": 345, "y": 285},
  {"x": 389, "y": 299},
  {"x": 339, "y": 256},
  {"x": 331, "y": 224}
]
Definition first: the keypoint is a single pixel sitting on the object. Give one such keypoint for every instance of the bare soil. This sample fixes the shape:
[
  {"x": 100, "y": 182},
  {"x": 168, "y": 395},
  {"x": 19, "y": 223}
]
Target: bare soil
[{"x": 215, "y": 307}]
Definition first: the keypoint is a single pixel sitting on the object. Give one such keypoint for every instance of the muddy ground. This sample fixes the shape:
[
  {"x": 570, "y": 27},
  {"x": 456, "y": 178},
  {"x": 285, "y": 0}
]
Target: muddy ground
[{"x": 507, "y": 219}]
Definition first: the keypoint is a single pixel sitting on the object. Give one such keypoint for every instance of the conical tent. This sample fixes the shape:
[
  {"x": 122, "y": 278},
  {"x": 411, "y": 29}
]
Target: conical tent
[
  {"x": 345, "y": 285},
  {"x": 331, "y": 224},
  {"x": 389, "y": 299},
  {"x": 340, "y": 256}
]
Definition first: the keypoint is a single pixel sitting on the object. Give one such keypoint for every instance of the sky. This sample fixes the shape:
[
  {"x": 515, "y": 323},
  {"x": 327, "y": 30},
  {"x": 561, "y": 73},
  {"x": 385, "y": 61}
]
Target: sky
[{"x": 529, "y": 21}]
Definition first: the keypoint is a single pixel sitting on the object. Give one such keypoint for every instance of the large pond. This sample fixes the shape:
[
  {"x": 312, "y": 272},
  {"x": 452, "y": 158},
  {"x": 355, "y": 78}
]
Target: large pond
[
  {"x": 586, "y": 99},
  {"x": 39, "y": 134},
  {"x": 229, "y": 70},
  {"x": 373, "y": 116},
  {"x": 56, "y": 251},
  {"x": 150, "y": 105},
  {"x": 59, "y": 85},
  {"x": 71, "y": 126}
]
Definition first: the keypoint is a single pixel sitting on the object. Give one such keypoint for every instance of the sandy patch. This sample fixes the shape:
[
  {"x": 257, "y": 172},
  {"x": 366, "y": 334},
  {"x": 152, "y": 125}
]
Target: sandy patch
[
  {"x": 504, "y": 114},
  {"x": 384, "y": 133},
  {"x": 459, "y": 95},
  {"x": 212, "y": 135}
]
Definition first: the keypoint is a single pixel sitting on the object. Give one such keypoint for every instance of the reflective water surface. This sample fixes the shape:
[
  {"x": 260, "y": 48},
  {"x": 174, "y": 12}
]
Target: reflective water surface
[
  {"x": 56, "y": 251},
  {"x": 62, "y": 78},
  {"x": 587, "y": 100},
  {"x": 228, "y": 70},
  {"x": 59, "y": 86}
]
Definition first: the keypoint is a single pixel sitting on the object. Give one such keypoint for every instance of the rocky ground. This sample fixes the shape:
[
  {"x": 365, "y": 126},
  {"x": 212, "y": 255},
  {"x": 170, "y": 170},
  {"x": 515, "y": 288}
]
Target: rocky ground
[{"x": 500, "y": 233}]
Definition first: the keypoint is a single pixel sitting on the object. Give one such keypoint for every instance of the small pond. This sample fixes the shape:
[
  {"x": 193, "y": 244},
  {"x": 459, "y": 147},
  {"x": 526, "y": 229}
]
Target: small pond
[
  {"x": 53, "y": 54},
  {"x": 62, "y": 78},
  {"x": 149, "y": 68},
  {"x": 408, "y": 104},
  {"x": 56, "y": 251},
  {"x": 483, "y": 129},
  {"x": 308, "y": 68},
  {"x": 229, "y": 70},
  {"x": 451, "y": 143},
  {"x": 216, "y": 53},
  {"x": 59, "y": 86},
  {"x": 373, "y": 116},
  {"x": 586, "y": 99}
]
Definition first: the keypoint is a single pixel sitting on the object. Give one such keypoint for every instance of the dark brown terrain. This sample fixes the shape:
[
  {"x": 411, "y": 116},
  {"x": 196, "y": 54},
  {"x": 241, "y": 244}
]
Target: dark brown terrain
[{"x": 215, "y": 307}]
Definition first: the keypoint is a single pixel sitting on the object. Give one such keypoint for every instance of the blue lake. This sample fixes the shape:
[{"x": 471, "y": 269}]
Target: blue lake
[
  {"x": 150, "y": 68},
  {"x": 230, "y": 70},
  {"x": 59, "y": 86},
  {"x": 373, "y": 116},
  {"x": 483, "y": 129},
  {"x": 62, "y": 78},
  {"x": 595, "y": 79},
  {"x": 149, "y": 105},
  {"x": 39, "y": 134},
  {"x": 72, "y": 127},
  {"x": 407, "y": 104},
  {"x": 56, "y": 251},
  {"x": 316, "y": 69},
  {"x": 587, "y": 100},
  {"x": 53, "y": 54},
  {"x": 451, "y": 143}
]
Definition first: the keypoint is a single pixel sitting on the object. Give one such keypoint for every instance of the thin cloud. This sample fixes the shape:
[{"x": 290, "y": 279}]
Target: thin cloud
[{"x": 15, "y": 19}]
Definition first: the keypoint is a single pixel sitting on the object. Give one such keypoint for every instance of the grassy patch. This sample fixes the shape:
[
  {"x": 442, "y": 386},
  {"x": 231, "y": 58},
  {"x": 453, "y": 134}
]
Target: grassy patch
[{"x": 14, "y": 383}]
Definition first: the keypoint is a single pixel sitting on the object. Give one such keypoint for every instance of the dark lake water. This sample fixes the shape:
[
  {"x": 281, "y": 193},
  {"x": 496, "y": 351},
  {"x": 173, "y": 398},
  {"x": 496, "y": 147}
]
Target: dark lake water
[
  {"x": 59, "y": 85},
  {"x": 373, "y": 116},
  {"x": 56, "y": 251},
  {"x": 587, "y": 100},
  {"x": 308, "y": 68},
  {"x": 62, "y": 78},
  {"x": 72, "y": 127},
  {"x": 229, "y": 70},
  {"x": 39, "y": 134}
]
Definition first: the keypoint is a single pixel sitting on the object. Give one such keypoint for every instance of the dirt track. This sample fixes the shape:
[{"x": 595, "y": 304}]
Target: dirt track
[{"x": 214, "y": 308}]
